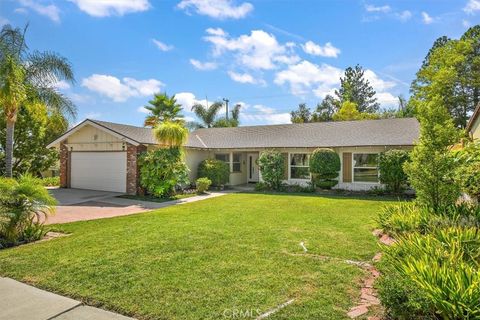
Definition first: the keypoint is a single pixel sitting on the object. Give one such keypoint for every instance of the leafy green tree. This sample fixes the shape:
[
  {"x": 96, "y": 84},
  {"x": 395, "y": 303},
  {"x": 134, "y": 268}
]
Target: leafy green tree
[
  {"x": 272, "y": 166},
  {"x": 29, "y": 78},
  {"x": 162, "y": 108},
  {"x": 325, "y": 110},
  {"x": 207, "y": 115},
  {"x": 431, "y": 171},
  {"x": 354, "y": 87},
  {"x": 451, "y": 70},
  {"x": 301, "y": 115},
  {"x": 216, "y": 170},
  {"x": 349, "y": 111},
  {"x": 34, "y": 129}
]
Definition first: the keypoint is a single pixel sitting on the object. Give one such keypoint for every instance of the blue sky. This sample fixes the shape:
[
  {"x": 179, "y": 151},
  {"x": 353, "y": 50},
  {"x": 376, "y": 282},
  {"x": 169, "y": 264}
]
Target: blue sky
[{"x": 268, "y": 55}]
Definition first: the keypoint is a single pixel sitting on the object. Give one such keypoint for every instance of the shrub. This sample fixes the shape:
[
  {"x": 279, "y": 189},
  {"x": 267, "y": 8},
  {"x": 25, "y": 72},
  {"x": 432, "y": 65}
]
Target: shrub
[
  {"x": 23, "y": 202},
  {"x": 261, "y": 186},
  {"x": 444, "y": 266},
  {"x": 203, "y": 184},
  {"x": 432, "y": 166},
  {"x": 390, "y": 166},
  {"x": 216, "y": 170},
  {"x": 401, "y": 297},
  {"x": 324, "y": 165},
  {"x": 272, "y": 166},
  {"x": 468, "y": 172},
  {"x": 51, "y": 181},
  {"x": 162, "y": 170}
]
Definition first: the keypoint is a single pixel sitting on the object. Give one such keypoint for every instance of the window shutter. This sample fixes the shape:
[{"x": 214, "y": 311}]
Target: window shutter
[{"x": 347, "y": 167}]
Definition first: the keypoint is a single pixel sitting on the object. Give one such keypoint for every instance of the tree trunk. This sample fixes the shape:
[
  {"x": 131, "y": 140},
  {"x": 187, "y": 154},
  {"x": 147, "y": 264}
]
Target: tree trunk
[{"x": 9, "y": 149}]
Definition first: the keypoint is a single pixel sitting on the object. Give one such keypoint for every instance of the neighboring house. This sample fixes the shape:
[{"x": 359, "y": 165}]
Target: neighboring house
[
  {"x": 101, "y": 155},
  {"x": 473, "y": 126}
]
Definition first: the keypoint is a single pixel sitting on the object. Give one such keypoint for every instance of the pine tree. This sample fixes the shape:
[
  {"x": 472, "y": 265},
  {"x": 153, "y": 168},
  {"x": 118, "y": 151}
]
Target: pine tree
[{"x": 354, "y": 87}]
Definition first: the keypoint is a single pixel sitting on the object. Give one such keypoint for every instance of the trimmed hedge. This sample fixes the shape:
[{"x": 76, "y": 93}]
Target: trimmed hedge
[
  {"x": 216, "y": 170},
  {"x": 325, "y": 165}
]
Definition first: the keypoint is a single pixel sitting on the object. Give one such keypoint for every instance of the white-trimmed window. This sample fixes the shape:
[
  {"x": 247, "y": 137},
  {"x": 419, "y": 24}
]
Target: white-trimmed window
[
  {"x": 225, "y": 157},
  {"x": 299, "y": 166},
  {"x": 365, "y": 167},
  {"x": 236, "y": 162}
]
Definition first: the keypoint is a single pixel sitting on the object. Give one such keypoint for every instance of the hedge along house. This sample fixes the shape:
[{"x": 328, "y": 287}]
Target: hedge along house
[{"x": 101, "y": 155}]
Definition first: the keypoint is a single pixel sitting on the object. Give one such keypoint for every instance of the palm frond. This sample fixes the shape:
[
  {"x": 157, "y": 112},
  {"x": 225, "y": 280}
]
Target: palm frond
[
  {"x": 55, "y": 101},
  {"x": 236, "y": 112},
  {"x": 47, "y": 68},
  {"x": 12, "y": 41}
]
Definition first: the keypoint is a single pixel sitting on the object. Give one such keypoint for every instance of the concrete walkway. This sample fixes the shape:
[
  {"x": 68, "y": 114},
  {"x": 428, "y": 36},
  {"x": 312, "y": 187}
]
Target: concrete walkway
[
  {"x": 75, "y": 207},
  {"x": 23, "y": 302}
]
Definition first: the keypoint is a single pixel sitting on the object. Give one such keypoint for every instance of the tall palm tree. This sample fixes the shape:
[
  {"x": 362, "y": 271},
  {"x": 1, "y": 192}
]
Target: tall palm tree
[
  {"x": 170, "y": 134},
  {"x": 162, "y": 108},
  {"x": 29, "y": 79},
  {"x": 207, "y": 114}
]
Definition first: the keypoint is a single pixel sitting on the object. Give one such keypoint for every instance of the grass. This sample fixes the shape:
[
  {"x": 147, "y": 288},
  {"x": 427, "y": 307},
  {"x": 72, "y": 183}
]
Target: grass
[
  {"x": 156, "y": 199},
  {"x": 208, "y": 259}
]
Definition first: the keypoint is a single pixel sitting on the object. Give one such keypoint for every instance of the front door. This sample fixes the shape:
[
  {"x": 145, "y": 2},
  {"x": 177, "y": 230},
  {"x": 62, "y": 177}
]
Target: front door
[{"x": 253, "y": 175}]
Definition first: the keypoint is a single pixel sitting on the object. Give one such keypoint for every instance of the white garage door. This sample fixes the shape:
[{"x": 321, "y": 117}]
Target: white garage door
[{"x": 105, "y": 171}]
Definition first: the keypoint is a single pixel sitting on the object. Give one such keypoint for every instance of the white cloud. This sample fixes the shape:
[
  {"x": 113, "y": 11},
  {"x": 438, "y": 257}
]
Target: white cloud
[
  {"x": 386, "y": 99},
  {"x": 426, "y": 18},
  {"x": 404, "y": 15},
  {"x": 261, "y": 114},
  {"x": 162, "y": 46},
  {"x": 62, "y": 85},
  {"x": 105, "y": 8},
  {"x": 306, "y": 76},
  {"x": 245, "y": 78},
  {"x": 51, "y": 11},
  {"x": 328, "y": 50},
  {"x": 93, "y": 115},
  {"x": 118, "y": 90},
  {"x": 472, "y": 6},
  {"x": 20, "y": 11},
  {"x": 259, "y": 50},
  {"x": 186, "y": 99},
  {"x": 218, "y": 9},
  {"x": 466, "y": 23},
  {"x": 382, "y": 9},
  {"x": 378, "y": 84},
  {"x": 142, "y": 109},
  {"x": 205, "y": 66}
]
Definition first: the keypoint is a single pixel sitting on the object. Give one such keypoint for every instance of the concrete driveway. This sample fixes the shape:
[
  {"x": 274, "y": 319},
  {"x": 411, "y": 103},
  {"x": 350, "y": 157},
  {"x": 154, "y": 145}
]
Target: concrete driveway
[{"x": 78, "y": 205}]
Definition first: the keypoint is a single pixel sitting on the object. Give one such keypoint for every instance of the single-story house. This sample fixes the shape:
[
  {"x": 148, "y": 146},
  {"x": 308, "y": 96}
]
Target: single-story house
[
  {"x": 473, "y": 126},
  {"x": 102, "y": 155}
]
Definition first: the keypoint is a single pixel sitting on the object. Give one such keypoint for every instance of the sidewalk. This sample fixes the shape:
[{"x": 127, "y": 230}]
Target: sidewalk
[{"x": 23, "y": 302}]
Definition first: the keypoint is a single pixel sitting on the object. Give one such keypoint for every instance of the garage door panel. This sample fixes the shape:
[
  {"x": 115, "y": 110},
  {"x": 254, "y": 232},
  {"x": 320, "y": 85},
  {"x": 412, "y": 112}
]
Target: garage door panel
[{"x": 105, "y": 171}]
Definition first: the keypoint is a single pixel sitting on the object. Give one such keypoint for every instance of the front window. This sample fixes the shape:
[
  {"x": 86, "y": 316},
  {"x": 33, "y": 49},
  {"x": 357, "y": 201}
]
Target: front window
[
  {"x": 365, "y": 167},
  {"x": 299, "y": 167},
  {"x": 236, "y": 166},
  {"x": 223, "y": 157}
]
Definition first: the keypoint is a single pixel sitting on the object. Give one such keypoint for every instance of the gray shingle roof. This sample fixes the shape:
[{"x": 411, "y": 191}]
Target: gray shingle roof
[
  {"x": 384, "y": 132},
  {"x": 140, "y": 134}
]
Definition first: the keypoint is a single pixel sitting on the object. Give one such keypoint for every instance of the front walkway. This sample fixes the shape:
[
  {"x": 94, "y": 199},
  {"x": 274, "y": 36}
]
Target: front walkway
[
  {"x": 21, "y": 302},
  {"x": 107, "y": 205}
]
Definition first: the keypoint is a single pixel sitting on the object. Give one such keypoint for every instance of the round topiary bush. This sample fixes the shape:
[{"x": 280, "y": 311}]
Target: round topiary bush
[
  {"x": 324, "y": 166},
  {"x": 216, "y": 170},
  {"x": 271, "y": 164}
]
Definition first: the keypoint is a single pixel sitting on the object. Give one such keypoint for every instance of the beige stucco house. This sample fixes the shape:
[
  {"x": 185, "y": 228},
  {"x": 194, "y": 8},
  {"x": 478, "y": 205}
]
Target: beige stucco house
[
  {"x": 473, "y": 126},
  {"x": 102, "y": 155}
]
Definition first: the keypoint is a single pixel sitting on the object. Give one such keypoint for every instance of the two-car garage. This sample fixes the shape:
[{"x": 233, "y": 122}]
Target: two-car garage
[{"x": 106, "y": 171}]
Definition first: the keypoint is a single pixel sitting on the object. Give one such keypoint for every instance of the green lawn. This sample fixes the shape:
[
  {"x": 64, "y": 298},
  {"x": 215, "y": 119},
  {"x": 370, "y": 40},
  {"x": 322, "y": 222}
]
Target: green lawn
[{"x": 194, "y": 261}]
